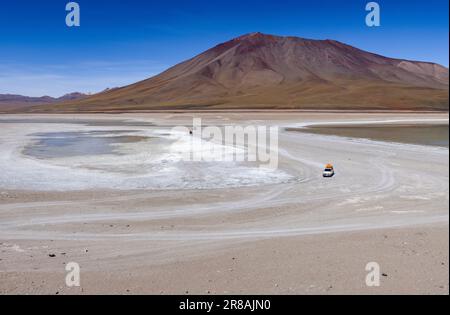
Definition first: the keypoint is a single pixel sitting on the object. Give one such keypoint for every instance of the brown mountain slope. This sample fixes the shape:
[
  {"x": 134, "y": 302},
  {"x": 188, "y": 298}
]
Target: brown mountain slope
[{"x": 271, "y": 72}]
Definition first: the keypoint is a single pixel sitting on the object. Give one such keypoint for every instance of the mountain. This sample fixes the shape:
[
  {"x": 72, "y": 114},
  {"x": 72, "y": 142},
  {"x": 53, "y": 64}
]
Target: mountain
[
  {"x": 258, "y": 71},
  {"x": 15, "y": 102},
  {"x": 72, "y": 96}
]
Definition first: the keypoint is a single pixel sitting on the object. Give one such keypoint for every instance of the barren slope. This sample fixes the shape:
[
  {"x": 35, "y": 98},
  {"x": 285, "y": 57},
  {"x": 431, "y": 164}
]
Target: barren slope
[{"x": 265, "y": 71}]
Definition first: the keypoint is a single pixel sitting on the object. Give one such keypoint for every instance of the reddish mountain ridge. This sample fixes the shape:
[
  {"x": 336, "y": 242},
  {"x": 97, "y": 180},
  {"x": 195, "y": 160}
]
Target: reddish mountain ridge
[
  {"x": 14, "y": 101},
  {"x": 258, "y": 71}
]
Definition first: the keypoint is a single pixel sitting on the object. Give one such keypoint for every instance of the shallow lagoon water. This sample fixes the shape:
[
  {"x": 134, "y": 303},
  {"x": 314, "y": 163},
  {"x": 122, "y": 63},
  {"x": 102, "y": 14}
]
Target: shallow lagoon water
[
  {"x": 422, "y": 134},
  {"x": 115, "y": 154},
  {"x": 70, "y": 144}
]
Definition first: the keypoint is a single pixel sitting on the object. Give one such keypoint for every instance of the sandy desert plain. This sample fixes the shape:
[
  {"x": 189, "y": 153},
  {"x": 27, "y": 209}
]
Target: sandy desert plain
[{"x": 110, "y": 193}]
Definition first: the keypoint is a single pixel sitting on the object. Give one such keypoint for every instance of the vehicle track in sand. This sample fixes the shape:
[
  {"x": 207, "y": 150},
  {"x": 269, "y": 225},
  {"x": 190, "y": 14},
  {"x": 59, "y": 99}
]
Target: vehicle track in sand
[{"x": 310, "y": 205}]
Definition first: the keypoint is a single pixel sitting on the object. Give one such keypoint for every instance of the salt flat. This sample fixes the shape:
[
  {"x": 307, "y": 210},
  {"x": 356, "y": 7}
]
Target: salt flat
[{"x": 125, "y": 214}]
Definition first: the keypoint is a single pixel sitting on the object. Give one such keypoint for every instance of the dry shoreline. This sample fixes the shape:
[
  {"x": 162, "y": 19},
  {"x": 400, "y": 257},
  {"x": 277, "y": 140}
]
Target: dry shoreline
[
  {"x": 414, "y": 260},
  {"x": 309, "y": 236}
]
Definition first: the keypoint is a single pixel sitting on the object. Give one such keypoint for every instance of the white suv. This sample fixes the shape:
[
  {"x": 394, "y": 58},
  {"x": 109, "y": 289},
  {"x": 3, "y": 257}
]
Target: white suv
[{"x": 328, "y": 172}]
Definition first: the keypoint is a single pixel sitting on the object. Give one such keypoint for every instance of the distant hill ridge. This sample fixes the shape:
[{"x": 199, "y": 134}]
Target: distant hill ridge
[{"x": 14, "y": 101}]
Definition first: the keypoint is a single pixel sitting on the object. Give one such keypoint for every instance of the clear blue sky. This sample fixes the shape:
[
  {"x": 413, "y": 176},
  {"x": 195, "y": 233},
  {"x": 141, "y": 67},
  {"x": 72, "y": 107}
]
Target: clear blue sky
[{"x": 120, "y": 42}]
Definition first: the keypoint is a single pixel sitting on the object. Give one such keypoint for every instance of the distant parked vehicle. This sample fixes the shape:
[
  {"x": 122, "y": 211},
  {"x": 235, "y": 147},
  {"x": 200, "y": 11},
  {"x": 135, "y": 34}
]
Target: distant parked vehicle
[{"x": 328, "y": 171}]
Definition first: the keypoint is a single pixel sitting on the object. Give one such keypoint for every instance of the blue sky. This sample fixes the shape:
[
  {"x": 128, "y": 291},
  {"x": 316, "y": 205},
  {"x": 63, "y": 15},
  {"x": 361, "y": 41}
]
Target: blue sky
[{"x": 121, "y": 42}]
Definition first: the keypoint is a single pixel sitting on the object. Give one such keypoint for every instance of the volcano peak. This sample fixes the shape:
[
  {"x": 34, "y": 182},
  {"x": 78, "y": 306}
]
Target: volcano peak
[{"x": 258, "y": 70}]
